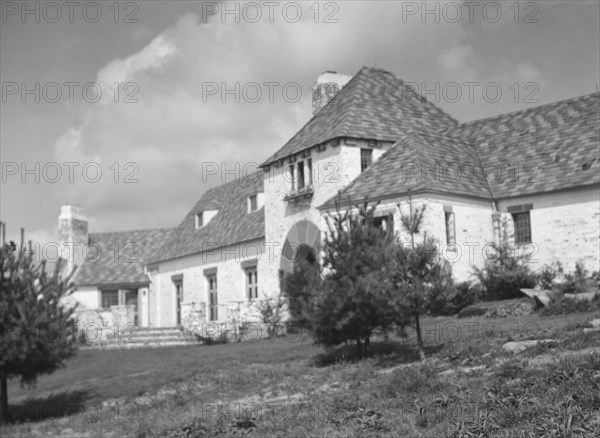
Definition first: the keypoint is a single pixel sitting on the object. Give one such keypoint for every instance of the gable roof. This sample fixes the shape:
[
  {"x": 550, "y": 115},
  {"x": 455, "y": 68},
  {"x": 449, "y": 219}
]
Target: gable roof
[
  {"x": 374, "y": 105},
  {"x": 420, "y": 162},
  {"x": 231, "y": 225},
  {"x": 117, "y": 258},
  {"x": 554, "y": 144}
]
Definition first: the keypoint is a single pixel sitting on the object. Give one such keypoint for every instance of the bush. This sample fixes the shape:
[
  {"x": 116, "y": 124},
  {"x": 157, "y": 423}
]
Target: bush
[
  {"x": 454, "y": 299},
  {"x": 579, "y": 281},
  {"x": 505, "y": 272},
  {"x": 548, "y": 274},
  {"x": 565, "y": 305}
]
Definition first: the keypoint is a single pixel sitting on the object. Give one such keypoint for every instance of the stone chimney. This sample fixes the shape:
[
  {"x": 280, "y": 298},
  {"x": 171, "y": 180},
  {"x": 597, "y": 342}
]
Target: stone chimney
[
  {"x": 327, "y": 86},
  {"x": 72, "y": 234}
]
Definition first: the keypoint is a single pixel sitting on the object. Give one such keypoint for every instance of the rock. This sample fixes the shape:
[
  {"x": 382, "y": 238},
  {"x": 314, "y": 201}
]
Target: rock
[
  {"x": 541, "y": 297},
  {"x": 591, "y": 330},
  {"x": 447, "y": 373},
  {"x": 587, "y": 296},
  {"x": 595, "y": 323},
  {"x": 469, "y": 370},
  {"x": 520, "y": 346}
]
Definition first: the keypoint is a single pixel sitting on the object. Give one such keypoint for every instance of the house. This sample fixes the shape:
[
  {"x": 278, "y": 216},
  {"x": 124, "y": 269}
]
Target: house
[{"x": 533, "y": 174}]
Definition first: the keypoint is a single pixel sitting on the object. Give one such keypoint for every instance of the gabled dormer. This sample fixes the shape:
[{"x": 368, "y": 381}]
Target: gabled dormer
[{"x": 255, "y": 202}]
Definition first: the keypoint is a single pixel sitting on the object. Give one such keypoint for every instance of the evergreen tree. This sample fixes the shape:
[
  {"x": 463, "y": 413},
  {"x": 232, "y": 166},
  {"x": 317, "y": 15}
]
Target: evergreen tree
[{"x": 37, "y": 332}]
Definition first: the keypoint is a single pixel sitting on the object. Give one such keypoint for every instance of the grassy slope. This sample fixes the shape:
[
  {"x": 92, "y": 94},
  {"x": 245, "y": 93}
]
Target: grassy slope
[{"x": 160, "y": 391}]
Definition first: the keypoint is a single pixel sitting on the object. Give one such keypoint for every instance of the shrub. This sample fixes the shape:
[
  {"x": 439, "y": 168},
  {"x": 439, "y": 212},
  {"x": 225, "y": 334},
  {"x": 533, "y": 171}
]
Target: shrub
[
  {"x": 548, "y": 274},
  {"x": 565, "y": 305},
  {"x": 453, "y": 299},
  {"x": 578, "y": 281},
  {"x": 505, "y": 272}
]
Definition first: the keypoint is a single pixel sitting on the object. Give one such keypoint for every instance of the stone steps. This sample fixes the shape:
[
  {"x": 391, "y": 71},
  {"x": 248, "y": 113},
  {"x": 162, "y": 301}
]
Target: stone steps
[{"x": 146, "y": 337}]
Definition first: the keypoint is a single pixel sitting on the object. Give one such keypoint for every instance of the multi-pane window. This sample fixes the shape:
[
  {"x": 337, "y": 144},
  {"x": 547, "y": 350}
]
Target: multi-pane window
[
  {"x": 366, "y": 158},
  {"x": 522, "y": 223},
  {"x": 301, "y": 182},
  {"x": 212, "y": 298},
  {"x": 310, "y": 171},
  {"x": 252, "y": 283},
  {"x": 450, "y": 228},
  {"x": 110, "y": 298},
  {"x": 179, "y": 299}
]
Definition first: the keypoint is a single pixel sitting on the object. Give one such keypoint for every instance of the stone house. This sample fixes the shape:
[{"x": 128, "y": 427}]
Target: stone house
[{"x": 535, "y": 173}]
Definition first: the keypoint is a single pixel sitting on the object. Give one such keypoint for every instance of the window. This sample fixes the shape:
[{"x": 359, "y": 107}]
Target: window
[
  {"x": 253, "y": 203},
  {"x": 366, "y": 158},
  {"x": 450, "y": 228},
  {"x": 310, "y": 171},
  {"x": 199, "y": 220},
  {"x": 522, "y": 223},
  {"x": 293, "y": 177},
  {"x": 110, "y": 298},
  {"x": 179, "y": 299},
  {"x": 301, "y": 175},
  {"x": 386, "y": 223},
  {"x": 212, "y": 298},
  {"x": 252, "y": 283}
]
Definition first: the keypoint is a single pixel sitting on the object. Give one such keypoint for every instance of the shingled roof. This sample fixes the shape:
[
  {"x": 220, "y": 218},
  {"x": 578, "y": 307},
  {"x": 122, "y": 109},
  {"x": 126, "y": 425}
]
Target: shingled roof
[
  {"x": 374, "y": 105},
  {"x": 556, "y": 146},
  {"x": 420, "y": 162},
  {"x": 117, "y": 258},
  {"x": 231, "y": 225}
]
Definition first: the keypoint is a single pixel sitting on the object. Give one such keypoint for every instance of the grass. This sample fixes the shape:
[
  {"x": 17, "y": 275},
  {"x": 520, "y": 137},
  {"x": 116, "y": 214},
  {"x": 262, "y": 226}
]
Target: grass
[{"x": 469, "y": 386}]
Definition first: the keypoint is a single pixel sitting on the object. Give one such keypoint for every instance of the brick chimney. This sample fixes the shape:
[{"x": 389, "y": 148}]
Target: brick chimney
[
  {"x": 327, "y": 86},
  {"x": 72, "y": 234}
]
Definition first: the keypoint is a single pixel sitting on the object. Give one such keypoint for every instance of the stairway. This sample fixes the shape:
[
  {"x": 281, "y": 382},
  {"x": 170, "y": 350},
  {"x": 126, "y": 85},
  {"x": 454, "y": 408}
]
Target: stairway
[{"x": 150, "y": 337}]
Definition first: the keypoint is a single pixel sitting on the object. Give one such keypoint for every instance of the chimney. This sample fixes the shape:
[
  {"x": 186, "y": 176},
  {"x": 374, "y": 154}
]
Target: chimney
[
  {"x": 72, "y": 234},
  {"x": 327, "y": 86}
]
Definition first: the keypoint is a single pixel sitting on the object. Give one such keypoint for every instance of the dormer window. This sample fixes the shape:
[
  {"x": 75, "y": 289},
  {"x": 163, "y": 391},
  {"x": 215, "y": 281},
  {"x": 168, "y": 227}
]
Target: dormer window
[
  {"x": 202, "y": 218},
  {"x": 301, "y": 182},
  {"x": 366, "y": 158},
  {"x": 252, "y": 203}
]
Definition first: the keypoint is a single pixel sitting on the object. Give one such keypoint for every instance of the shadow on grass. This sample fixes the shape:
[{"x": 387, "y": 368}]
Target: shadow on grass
[
  {"x": 62, "y": 405},
  {"x": 387, "y": 353}
]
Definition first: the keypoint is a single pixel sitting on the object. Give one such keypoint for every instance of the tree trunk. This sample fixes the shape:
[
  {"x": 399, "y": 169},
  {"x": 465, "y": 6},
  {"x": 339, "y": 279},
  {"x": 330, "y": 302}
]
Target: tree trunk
[
  {"x": 367, "y": 344},
  {"x": 3, "y": 400},
  {"x": 419, "y": 337},
  {"x": 359, "y": 347}
]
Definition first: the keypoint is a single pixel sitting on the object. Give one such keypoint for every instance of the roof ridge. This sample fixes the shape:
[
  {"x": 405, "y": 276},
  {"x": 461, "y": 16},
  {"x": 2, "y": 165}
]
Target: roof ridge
[
  {"x": 525, "y": 110},
  {"x": 137, "y": 230}
]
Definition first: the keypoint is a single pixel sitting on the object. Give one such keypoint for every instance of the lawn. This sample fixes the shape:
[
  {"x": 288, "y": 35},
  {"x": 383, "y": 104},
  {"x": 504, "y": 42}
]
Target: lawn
[{"x": 468, "y": 386}]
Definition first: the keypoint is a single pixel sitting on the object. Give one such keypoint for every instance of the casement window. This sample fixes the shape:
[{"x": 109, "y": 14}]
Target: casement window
[
  {"x": 109, "y": 298},
  {"x": 252, "y": 283},
  {"x": 366, "y": 158},
  {"x": 310, "y": 171},
  {"x": 213, "y": 302},
  {"x": 199, "y": 220},
  {"x": 522, "y": 222},
  {"x": 178, "y": 299},
  {"x": 301, "y": 181},
  {"x": 293, "y": 176},
  {"x": 450, "y": 228}
]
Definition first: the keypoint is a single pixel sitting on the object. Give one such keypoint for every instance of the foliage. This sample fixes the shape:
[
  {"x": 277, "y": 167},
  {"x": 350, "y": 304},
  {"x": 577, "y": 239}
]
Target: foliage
[
  {"x": 454, "y": 298},
  {"x": 579, "y": 280},
  {"x": 353, "y": 298},
  {"x": 271, "y": 311},
  {"x": 418, "y": 275},
  {"x": 548, "y": 274},
  {"x": 565, "y": 305},
  {"x": 37, "y": 332},
  {"x": 505, "y": 272}
]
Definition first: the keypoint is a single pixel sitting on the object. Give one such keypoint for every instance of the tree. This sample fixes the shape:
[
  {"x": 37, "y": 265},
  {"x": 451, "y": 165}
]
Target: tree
[
  {"x": 355, "y": 293},
  {"x": 37, "y": 332},
  {"x": 505, "y": 271},
  {"x": 418, "y": 274}
]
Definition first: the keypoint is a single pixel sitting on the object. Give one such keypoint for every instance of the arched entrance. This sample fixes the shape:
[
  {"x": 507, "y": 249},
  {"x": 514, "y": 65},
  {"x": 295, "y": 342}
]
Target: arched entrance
[{"x": 301, "y": 243}]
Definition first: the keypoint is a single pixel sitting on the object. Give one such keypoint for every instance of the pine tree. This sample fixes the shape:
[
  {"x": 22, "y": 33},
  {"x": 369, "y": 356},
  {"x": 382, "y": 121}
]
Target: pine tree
[
  {"x": 37, "y": 332},
  {"x": 355, "y": 294},
  {"x": 418, "y": 274}
]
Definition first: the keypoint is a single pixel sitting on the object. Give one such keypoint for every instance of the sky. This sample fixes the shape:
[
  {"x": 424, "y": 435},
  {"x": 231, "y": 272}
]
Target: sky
[{"x": 133, "y": 109}]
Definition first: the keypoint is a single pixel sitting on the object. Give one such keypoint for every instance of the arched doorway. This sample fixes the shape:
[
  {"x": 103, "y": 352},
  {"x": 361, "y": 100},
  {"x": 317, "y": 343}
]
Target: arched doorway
[{"x": 301, "y": 243}]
